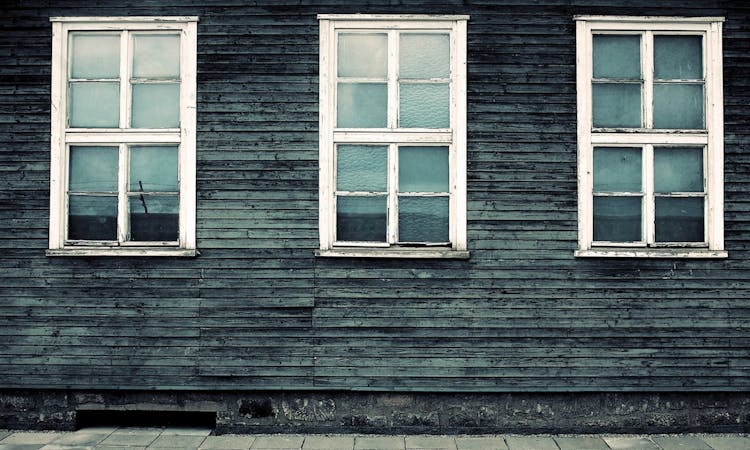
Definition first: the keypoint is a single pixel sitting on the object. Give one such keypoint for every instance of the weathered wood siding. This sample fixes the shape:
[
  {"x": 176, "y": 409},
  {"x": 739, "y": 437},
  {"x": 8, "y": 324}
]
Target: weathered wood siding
[{"x": 257, "y": 310}]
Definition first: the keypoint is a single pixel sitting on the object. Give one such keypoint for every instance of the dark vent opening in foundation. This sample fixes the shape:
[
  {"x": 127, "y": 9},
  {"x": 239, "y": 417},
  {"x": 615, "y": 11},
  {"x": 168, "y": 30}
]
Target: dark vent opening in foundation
[{"x": 98, "y": 418}]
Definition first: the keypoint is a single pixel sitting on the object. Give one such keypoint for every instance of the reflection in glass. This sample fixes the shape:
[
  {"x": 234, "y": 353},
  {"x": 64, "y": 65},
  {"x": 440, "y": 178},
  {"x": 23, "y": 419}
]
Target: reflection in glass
[
  {"x": 153, "y": 168},
  {"x": 678, "y": 169},
  {"x": 154, "y": 217},
  {"x": 617, "y": 105},
  {"x": 678, "y": 106},
  {"x": 423, "y": 219},
  {"x": 617, "y": 169},
  {"x": 679, "y": 219},
  {"x": 617, "y": 56},
  {"x": 156, "y": 105},
  {"x": 95, "y": 55},
  {"x": 361, "y": 105},
  {"x": 678, "y": 57},
  {"x": 361, "y": 219},
  {"x": 92, "y": 169},
  {"x": 361, "y": 168},
  {"x": 424, "y": 56},
  {"x": 363, "y": 55},
  {"x": 156, "y": 56},
  {"x": 92, "y": 218},
  {"x": 94, "y": 105},
  {"x": 424, "y": 106},
  {"x": 423, "y": 169},
  {"x": 617, "y": 219}
]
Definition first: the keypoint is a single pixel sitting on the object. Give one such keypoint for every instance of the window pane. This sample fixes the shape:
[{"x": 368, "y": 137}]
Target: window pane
[
  {"x": 423, "y": 219},
  {"x": 92, "y": 218},
  {"x": 154, "y": 218},
  {"x": 678, "y": 169},
  {"x": 156, "y": 105},
  {"x": 95, "y": 105},
  {"x": 424, "y": 56},
  {"x": 95, "y": 55},
  {"x": 424, "y": 106},
  {"x": 156, "y": 56},
  {"x": 363, "y": 55},
  {"x": 361, "y": 219},
  {"x": 423, "y": 169},
  {"x": 361, "y": 105},
  {"x": 361, "y": 168},
  {"x": 617, "y": 169},
  {"x": 678, "y": 106},
  {"x": 678, "y": 57},
  {"x": 153, "y": 168},
  {"x": 617, "y": 56},
  {"x": 93, "y": 169},
  {"x": 617, "y": 105},
  {"x": 679, "y": 219},
  {"x": 617, "y": 219}
]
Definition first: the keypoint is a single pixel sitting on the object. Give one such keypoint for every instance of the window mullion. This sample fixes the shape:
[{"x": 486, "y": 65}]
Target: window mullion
[
  {"x": 649, "y": 213},
  {"x": 123, "y": 225},
  {"x": 647, "y": 68},
  {"x": 124, "y": 79},
  {"x": 392, "y": 119},
  {"x": 392, "y": 194}
]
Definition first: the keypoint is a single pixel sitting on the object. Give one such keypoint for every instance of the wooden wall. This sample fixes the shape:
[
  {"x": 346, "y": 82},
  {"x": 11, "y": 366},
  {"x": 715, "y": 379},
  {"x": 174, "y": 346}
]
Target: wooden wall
[{"x": 257, "y": 309}]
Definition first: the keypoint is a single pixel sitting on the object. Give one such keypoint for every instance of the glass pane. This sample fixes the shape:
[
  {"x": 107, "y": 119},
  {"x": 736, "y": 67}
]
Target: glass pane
[
  {"x": 678, "y": 169},
  {"x": 678, "y": 106},
  {"x": 423, "y": 169},
  {"x": 361, "y": 105},
  {"x": 678, "y": 57},
  {"x": 361, "y": 168},
  {"x": 617, "y": 56},
  {"x": 617, "y": 105},
  {"x": 424, "y": 56},
  {"x": 423, "y": 219},
  {"x": 93, "y": 169},
  {"x": 95, "y": 105},
  {"x": 95, "y": 55},
  {"x": 92, "y": 218},
  {"x": 156, "y": 56},
  {"x": 363, "y": 55},
  {"x": 154, "y": 218},
  {"x": 156, "y": 105},
  {"x": 424, "y": 106},
  {"x": 617, "y": 219},
  {"x": 361, "y": 219},
  {"x": 153, "y": 168},
  {"x": 617, "y": 169},
  {"x": 679, "y": 219}
]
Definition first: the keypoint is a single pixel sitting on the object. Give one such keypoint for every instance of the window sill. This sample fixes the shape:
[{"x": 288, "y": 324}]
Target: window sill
[
  {"x": 651, "y": 253},
  {"x": 123, "y": 251},
  {"x": 415, "y": 253}
]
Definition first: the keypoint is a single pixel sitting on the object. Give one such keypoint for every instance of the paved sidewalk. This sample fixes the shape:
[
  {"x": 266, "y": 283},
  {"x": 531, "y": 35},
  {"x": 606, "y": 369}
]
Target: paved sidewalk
[{"x": 113, "y": 438}]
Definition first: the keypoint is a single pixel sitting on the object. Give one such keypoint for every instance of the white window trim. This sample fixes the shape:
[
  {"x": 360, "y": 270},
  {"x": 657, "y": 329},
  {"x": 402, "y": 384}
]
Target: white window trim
[
  {"x": 62, "y": 137},
  {"x": 712, "y": 138},
  {"x": 328, "y": 136}
]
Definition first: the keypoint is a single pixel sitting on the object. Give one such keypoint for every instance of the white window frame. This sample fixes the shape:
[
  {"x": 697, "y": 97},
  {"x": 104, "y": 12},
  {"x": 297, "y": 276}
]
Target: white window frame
[
  {"x": 62, "y": 136},
  {"x": 453, "y": 137},
  {"x": 711, "y": 139}
]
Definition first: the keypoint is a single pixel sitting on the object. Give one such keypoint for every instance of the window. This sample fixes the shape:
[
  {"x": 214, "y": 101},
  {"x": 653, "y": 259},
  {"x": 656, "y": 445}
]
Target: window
[
  {"x": 650, "y": 137},
  {"x": 123, "y": 136},
  {"x": 393, "y": 136}
]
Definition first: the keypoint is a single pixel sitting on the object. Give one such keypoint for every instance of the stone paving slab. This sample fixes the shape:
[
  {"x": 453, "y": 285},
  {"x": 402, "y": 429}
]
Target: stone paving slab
[
  {"x": 680, "y": 443},
  {"x": 379, "y": 443},
  {"x": 227, "y": 442},
  {"x": 480, "y": 443},
  {"x": 630, "y": 443},
  {"x": 278, "y": 441},
  {"x": 430, "y": 442},
  {"x": 127, "y": 437},
  {"x": 328, "y": 442},
  {"x": 81, "y": 438},
  {"x": 727, "y": 442},
  {"x": 20, "y": 446},
  {"x": 530, "y": 443},
  {"x": 30, "y": 438},
  {"x": 174, "y": 441},
  {"x": 581, "y": 443},
  {"x": 177, "y": 431}
]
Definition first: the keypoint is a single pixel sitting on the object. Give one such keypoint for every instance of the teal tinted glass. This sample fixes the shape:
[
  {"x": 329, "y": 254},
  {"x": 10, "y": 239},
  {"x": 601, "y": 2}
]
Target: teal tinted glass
[
  {"x": 678, "y": 57},
  {"x": 156, "y": 56},
  {"x": 678, "y": 169},
  {"x": 361, "y": 219},
  {"x": 424, "y": 56},
  {"x": 363, "y": 55},
  {"x": 423, "y": 169},
  {"x": 679, "y": 219},
  {"x": 362, "y": 168},
  {"x": 153, "y": 168},
  {"x": 617, "y": 169},
  {"x": 361, "y": 105},
  {"x": 94, "y": 105},
  {"x": 678, "y": 106},
  {"x": 94, "y": 55},
  {"x": 617, "y": 105},
  {"x": 92, "y": 217},
  {"x": 617, "y": 56},
  {"x": 156, "y": 105},
  {"x": 423, "y": 219},
  {"x": 154, "y": 217},
  {"x": 617, "y": 219},
  {"x": 424, "y": 106},
  {"x": 92, "y": 169}
]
